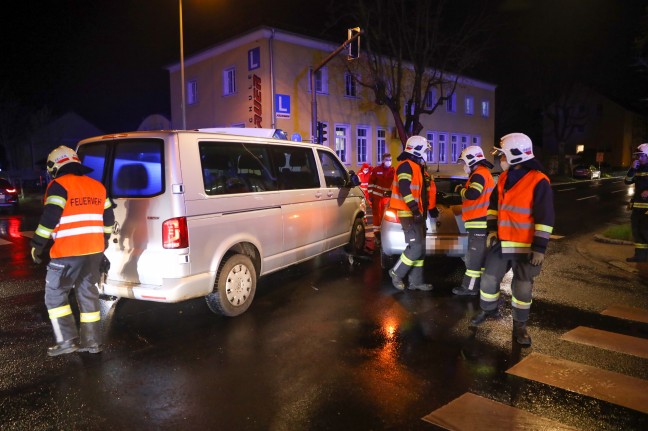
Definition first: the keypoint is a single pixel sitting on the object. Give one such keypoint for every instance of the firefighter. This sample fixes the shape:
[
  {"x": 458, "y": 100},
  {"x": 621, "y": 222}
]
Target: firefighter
[
  {"x": 78, "y": 217},
  {"x": 380, "y": 183},
  {"x": 364, "y": 173},
  {"x": 413, "y": 197},
  {"x": 638, "y": 175},
  {"x": 520, "y": 221},
  {"x": 475, "y": 195}
]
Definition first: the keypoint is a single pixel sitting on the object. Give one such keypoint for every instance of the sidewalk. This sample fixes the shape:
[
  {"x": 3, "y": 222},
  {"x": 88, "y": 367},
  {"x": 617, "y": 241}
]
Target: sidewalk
[{"x": 613, "y": 252}]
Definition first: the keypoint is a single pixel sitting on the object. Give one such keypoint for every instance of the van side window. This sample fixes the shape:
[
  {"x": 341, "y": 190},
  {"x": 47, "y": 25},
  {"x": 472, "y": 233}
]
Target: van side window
[
  {"x": 229, "y": 168},
  {"x": 334, "y": 173},
  {"x": 297, "y": 169},
  {"x": 137, "y": 169},
  {"x": 94, "y": 156}
]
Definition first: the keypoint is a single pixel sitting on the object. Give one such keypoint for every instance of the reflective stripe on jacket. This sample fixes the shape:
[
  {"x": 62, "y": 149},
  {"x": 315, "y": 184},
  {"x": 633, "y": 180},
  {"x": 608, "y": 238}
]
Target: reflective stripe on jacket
[
  {"x": 476, "y": 208},
  {"x": 380, "y": 181},
  {"x": 416, "y": 187},
  {"x": 81, "y": 228},
  {"x": 516, "y": 227}
]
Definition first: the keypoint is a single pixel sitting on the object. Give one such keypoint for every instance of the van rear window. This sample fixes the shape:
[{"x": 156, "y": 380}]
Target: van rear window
[{"x": 137, "y": 169}]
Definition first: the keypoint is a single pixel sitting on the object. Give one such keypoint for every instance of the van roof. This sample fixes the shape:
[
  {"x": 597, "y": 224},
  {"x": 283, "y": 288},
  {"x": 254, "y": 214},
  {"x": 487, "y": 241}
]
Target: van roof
[{"x": 248, "y": 131}]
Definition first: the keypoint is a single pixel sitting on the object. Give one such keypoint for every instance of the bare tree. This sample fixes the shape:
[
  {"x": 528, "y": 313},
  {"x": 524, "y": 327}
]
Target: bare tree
[{"x": 411, "y": 47}]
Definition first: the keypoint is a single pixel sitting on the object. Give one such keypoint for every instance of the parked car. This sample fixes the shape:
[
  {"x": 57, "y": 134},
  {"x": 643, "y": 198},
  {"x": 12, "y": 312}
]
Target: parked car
[
  {"x": 204, "y": 214},
  {"x": 586, "y": 171},
  {"x": 446, "y": 235},
  {"x": 8, "y": 196}
]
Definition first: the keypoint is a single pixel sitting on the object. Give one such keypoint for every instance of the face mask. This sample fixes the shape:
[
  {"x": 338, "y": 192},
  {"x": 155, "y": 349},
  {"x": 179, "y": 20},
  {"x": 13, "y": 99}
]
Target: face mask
[
  {"x": 365, "y": 170},
  {"x": 466, "y": 169},
  {"x": 387, "y": 163},
  {"x": 504, "y": 165}
]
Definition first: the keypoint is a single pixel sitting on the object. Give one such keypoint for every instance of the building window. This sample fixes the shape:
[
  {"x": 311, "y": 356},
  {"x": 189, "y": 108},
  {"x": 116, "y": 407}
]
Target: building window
[
  {"x": 431, "y": 138},
  {"x": 464, "y": 142},
  {"x": 429, "y": 99},
  {"x": 476, "y": 140},
  {"x": 350, "y": 85},
  {"x": 361, "y": 144},
  {"x": 485, "y": 108},
  {"x": 454, "y": 148},
  {"x": 321, "y": 81},
  {"x": 229, "y": 81},
  {"x": 443, "y": 147},
  {"x": 381, "y": 144},
  {"x": 341, "y": 139},
  {"x": 451, "y": 103},
  {"x": 470, "y": 105},
  {"x": 192, "y": 92}
]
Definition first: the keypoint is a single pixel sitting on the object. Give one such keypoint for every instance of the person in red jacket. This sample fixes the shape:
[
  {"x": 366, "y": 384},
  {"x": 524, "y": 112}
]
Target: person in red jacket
[
  {"x": 380, "y": 183},
  {"x": 475, "y": 196},
  {"x": 79, "y": 217},
  {"x": 413, "y": 198},
  {"x": 520, "y": 220},
  {"x": 364, "y": 173}
]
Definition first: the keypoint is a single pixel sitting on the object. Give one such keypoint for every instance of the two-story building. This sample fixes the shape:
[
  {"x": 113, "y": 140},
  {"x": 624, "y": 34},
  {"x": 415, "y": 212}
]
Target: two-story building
[{"x": 261, "y": 79}]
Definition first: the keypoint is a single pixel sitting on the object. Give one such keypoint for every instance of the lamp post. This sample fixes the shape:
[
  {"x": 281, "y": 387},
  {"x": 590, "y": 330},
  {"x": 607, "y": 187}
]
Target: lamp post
[{"x": 182, "y": 77}]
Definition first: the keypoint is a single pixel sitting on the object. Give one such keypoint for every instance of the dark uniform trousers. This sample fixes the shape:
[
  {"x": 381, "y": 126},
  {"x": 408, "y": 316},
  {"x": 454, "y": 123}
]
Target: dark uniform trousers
[
  {"x": 497, "y": 265},
  {"x": 639, "y": 224},
  {"x": 411, "y": 260},
  {"x": 82, "y": 274},
  {"x": 475, "y": 257}
]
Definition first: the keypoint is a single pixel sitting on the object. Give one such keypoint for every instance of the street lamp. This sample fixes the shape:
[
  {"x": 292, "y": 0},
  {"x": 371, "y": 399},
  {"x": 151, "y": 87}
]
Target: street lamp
[{"x": 182, "y": 77}]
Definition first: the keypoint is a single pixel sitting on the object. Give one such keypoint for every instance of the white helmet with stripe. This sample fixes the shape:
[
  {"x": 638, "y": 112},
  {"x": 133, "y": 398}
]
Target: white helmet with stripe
[
  {"x": 60, "y": 157},
  {"x": 417, "y": 146},
  {"x": 642, "y": 149},
  {"x": 517, "y": 147},
  {"x": 471, "y": 155}
]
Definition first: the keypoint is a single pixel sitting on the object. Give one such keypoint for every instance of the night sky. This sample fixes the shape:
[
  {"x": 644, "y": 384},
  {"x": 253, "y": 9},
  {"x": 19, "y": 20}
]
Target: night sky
[{"x": 105, "y": 59}]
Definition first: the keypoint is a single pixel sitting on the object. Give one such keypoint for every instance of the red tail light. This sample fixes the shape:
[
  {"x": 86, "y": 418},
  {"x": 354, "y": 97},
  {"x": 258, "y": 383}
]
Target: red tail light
[
  {"x": 174, "y": 233},
  {"x": 391, "y": 215},
  {"x": 11, "y": 190}
]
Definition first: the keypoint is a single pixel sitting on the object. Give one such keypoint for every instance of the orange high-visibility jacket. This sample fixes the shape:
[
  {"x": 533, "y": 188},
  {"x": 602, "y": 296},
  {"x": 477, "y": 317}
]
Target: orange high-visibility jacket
[
  {"x": 476, "y": 208},
  {"x": 81, "y": 228},
  {"x": 417, "y": 186},
  {"x": 515, "y": 222}
]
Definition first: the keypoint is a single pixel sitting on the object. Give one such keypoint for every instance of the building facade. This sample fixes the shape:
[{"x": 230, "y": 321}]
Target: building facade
[{"x": 261, "y": 79}]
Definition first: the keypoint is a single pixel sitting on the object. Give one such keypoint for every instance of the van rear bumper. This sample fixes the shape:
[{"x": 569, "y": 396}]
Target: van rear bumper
[{"x": 171, "y": 289}]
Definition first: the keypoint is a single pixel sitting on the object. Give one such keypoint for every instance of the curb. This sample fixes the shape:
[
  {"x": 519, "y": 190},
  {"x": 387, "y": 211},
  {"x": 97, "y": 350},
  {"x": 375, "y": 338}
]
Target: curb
[{"x": 601, "y": 238}]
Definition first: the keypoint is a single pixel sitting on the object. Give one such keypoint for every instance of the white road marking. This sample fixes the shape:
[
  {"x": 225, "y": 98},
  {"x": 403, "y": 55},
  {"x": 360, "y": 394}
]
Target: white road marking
[
  {"x": 587, "y": 197},
  {"x": 564, "y": 190}
]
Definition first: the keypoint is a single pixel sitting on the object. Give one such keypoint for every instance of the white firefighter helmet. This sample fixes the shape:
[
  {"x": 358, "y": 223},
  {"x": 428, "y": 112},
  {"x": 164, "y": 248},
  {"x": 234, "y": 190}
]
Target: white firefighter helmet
[
  {"x": 642, "y": 149},
  {"x": 471, "y": 155},
  {"x": 60, "y": 157},
  {"x": 517, "y": 147},
  {"x": 417, "y": 146}
]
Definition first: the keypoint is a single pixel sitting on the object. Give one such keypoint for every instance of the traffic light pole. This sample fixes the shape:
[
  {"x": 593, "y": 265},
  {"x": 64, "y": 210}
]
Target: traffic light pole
[{"x": 313, "y": 71}]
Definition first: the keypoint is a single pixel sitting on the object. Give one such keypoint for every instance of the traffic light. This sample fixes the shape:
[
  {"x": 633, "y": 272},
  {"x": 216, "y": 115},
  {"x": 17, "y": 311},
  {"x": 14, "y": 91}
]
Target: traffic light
[
  {"x": 353, "y": 49},
  {"x": 321, "y": 132}
]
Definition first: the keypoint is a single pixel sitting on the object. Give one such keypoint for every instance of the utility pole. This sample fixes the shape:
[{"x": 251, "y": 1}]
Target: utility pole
[{"x": 353, "y": 36}]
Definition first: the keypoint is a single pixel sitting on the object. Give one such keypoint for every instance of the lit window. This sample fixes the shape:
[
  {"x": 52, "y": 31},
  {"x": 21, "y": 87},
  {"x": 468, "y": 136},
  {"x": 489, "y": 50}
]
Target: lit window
[
  {"x": 361, "y": 144},
  {"x": 443, "y": 147},
  {"x": 192, "y": 92},
  {"x": 341, "y": 134},
  {"x": 470, "y": 105},
  {"x": 485, "y": 108},
  {"x": 454, "y": 148},
  {"x": 350, "y": 85},
  {"x": 476, "y": 140},
  {"x": 429, "y": 99},
  {"x": 229, "y": 81},
  {"x": 321, "y": 81},
  {"x": 464, "y": 142},
  {"x": 430, "y": 136},
  {"x": 451, "y": 103},
  {"x": 381, "y": 144}
]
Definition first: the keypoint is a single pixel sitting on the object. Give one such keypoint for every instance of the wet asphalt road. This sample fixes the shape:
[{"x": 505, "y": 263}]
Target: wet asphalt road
[{"x": 326, "y": 345}]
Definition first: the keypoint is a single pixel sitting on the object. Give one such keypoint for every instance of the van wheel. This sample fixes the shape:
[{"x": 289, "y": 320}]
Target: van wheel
[
  {"x": 234, "y": 287},
  {"x": 357, "y": 242}
]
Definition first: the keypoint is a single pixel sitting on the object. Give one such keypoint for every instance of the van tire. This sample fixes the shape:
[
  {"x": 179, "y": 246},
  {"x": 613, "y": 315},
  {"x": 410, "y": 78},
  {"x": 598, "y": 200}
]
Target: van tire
[
  {"x": 234, "y": 287},
  {"x": 357, "y": 241}
]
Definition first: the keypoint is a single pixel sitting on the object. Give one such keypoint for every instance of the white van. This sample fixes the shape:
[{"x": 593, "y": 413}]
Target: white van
[{"x": 205, "y": 214}]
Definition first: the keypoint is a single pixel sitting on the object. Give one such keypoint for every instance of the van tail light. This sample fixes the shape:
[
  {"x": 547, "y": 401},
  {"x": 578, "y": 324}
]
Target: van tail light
[
  {"x": 174, "y": 233},
  {"x": 12, "y": 190},
  {"x": 391, "y": 215}
]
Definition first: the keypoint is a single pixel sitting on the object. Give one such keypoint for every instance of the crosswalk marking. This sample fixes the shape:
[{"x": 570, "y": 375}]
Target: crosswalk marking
[
  {"x": 472, "y": 412},
  {"x": 628, "y": 313},
  {"x": 608, "y": 341},
  {"x": 609, "y": 386}
]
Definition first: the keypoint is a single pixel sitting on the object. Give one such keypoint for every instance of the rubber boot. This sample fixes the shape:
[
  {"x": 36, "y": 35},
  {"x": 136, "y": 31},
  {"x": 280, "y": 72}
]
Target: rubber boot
[
  {"x": 464, "y": 291},
  {"x": 483, "y": 315},
  {"x": 421, "y": 286},
  {"x": 396, "y": 280},
  {"x": 62, "y": 348},
  {"x": 90, "y": 337},
  {"x": 641, "y": 255},
  {"x": 520, "y": 333}
]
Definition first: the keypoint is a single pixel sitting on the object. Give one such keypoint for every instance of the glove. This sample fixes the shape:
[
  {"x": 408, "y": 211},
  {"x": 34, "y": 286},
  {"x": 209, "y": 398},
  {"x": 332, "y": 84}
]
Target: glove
[
  {"x": 434, "y": 212},
  {"x": 491, "y": 239},
  {"x": 104, "y": 266},
  {"x": 536, "y": 258},
  {"x": 36, "y": 255},
  {"x": 418, "y": 217}
]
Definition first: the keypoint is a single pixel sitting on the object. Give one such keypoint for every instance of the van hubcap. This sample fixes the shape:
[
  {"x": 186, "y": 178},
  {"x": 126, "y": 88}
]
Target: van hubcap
[{"x": 239, "y": 285}]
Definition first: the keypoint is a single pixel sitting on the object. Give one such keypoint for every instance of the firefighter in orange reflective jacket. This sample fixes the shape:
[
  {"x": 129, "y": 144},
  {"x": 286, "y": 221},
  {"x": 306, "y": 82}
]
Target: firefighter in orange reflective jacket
[
  {"x": 520, "y": 221},
  {"x": 475, "y": 197},
  {"x": 413, "y": 196},
  {"x": 78, "y": 217},
  {"x": 380, "y": 184}
]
